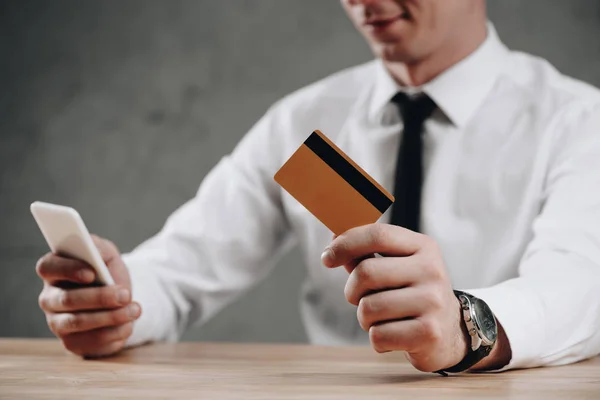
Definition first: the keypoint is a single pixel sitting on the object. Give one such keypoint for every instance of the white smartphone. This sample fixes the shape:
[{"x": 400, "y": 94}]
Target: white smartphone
[{"x": 67, "y": 235}]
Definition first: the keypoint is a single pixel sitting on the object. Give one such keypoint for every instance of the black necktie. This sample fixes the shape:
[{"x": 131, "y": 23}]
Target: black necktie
[{"x": 406, "y": 210}]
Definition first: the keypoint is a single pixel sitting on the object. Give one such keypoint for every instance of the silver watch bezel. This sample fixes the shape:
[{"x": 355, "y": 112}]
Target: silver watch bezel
[{"x": 471, "y": 321}]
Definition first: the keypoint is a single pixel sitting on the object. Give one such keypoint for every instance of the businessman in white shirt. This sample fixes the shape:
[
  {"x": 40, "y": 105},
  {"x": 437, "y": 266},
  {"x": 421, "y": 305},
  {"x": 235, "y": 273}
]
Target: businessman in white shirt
[{"x": 491, "y": 253}]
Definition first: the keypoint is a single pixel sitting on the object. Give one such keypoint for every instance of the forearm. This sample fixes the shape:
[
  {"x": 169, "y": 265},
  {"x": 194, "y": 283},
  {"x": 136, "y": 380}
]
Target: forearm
[
  {"x": 210, "y": 250},
  {"x": 551, "y": 317}
]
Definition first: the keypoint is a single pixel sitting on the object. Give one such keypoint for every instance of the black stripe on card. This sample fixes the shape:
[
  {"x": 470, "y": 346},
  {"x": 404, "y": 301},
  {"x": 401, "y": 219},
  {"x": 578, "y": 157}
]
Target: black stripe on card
[{"x": 348, "y": 172}]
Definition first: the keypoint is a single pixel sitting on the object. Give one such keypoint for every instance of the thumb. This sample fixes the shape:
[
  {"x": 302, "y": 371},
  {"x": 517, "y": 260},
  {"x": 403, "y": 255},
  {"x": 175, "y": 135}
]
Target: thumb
[{"x": 112, "y": 258}]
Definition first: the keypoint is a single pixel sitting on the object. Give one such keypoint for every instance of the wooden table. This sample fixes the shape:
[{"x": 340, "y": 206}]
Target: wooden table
[{"x": 41, "y": 369}]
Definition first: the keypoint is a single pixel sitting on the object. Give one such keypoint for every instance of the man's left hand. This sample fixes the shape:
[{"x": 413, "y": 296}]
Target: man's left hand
[{"x": 405, "y": 299}]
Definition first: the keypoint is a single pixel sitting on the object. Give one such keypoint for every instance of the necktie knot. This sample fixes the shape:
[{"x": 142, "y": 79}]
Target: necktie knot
[{"x": 415, "y": 109}]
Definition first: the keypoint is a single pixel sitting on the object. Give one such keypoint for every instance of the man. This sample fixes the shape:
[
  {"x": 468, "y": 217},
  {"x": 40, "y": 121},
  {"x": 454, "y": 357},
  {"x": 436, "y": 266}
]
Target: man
[{"x": 492, "y": 155}]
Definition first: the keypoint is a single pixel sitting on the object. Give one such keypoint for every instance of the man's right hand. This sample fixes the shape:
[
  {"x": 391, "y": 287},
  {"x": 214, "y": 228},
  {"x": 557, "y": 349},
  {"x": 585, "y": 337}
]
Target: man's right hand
[{"x": 91, "y": 321}]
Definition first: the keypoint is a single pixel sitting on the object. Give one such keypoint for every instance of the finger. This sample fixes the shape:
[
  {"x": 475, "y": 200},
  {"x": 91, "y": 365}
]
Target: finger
[
  {"x": 108, "y": 350},
  {"x": 351, "y": 266},
  {"x": 57, "y": 300},
  {"x": 53, "y": 269},
  {"x": 96, "y": 342},
  {"x": 409, "y": 335},
  {"x": 112, "y": 257},
  {"x": 107, "y": 249},
  {"x": 376, "y": 274},
  {"x": 66, "y": 323},
  {"x": 392, "y": 305},
  {"x": 366, "y": 240}
]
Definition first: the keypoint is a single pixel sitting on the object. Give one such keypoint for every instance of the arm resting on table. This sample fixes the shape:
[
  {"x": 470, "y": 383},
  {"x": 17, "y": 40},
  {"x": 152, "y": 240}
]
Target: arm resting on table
[{"x": 551, "y": 311}]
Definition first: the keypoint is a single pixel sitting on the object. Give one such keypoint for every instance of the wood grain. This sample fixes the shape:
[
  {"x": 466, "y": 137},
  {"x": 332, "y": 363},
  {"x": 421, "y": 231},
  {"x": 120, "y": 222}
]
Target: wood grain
[{"x": 41, "y": 369}]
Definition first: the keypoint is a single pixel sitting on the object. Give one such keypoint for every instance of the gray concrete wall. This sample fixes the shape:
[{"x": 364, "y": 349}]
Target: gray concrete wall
[{"x": 120, "y": 107}]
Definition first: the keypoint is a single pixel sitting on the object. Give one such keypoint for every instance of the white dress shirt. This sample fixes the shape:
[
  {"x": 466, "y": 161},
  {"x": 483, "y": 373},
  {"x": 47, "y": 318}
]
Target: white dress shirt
[{"x": 511, "y": 194}]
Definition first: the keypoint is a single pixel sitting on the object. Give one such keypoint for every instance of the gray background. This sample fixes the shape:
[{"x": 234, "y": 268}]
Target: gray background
[{"x": 119, "y": 108}]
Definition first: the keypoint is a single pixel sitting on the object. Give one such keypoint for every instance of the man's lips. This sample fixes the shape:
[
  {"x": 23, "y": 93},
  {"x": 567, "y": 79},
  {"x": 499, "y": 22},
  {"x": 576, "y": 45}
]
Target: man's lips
[{"x": 380, "y": 22}]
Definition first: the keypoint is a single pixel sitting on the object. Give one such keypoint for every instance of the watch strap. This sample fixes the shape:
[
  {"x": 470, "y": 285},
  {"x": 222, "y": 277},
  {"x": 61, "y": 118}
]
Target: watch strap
[{"x": 472, "y": 358}]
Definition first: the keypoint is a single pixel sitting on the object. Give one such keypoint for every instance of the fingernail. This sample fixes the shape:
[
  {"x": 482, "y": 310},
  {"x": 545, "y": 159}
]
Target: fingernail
[
  {"x": 134, "y": 310},
  {"x": 123, "y": 296},
  {"x": 327, "y": 257}
]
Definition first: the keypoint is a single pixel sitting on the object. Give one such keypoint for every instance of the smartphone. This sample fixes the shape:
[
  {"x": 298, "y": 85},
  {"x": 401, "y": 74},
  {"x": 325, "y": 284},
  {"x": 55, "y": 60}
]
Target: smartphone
[{"x": 67, "y": 235}]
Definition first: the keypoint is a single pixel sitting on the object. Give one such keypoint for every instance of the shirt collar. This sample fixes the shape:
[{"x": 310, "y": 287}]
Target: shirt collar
[{"x": 459, "y": 90}]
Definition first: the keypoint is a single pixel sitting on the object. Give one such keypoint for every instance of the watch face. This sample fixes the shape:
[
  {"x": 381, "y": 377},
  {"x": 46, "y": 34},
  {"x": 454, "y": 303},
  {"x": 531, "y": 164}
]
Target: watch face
[{"x": 485, "y": 320}]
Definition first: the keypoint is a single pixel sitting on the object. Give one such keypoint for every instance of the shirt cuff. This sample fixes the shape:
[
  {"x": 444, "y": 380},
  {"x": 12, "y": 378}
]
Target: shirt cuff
[
  {"x": 146, "y": 291},
  {"x": 521, "y": 318}
]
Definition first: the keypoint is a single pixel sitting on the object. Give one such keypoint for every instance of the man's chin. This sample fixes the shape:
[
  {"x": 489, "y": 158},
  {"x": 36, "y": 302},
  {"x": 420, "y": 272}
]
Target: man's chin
[{"x": 393, "y": 53}]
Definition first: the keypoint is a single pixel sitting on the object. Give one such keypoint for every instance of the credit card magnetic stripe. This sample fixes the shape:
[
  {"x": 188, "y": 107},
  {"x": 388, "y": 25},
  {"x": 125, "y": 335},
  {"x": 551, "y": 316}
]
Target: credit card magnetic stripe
[{"x": 349, "y": 172}]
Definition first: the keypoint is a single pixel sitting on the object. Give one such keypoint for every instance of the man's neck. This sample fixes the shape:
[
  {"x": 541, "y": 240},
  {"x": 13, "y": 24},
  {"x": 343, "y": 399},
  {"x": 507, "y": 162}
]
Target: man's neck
[{"x": 420, "y": 72}]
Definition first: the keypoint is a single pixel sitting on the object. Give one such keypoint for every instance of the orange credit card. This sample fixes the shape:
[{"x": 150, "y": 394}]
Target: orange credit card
[{"x": 331, "y": 186}]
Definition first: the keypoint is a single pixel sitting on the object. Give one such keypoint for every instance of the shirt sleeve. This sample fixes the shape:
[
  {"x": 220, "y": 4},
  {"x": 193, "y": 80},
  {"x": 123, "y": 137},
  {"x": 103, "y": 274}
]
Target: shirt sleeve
[
  {"x": 551, "y": 311},
  {"x": 215, "y": 246}
]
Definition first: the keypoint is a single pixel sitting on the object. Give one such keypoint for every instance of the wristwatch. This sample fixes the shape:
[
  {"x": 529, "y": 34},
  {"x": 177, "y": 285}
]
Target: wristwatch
[{"x": 482, "y": 328}]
